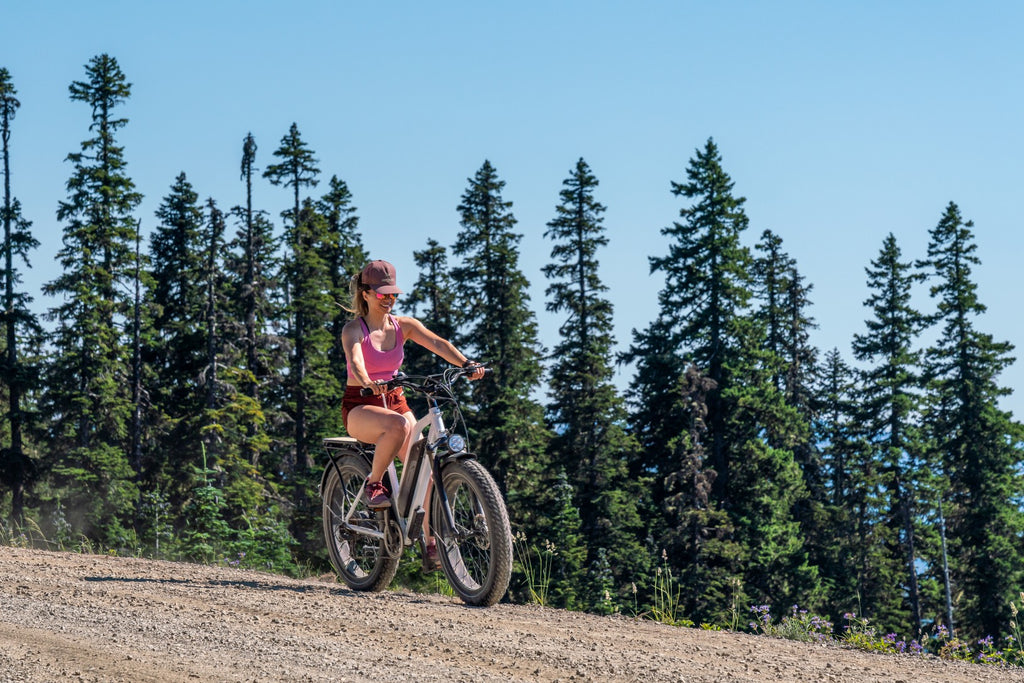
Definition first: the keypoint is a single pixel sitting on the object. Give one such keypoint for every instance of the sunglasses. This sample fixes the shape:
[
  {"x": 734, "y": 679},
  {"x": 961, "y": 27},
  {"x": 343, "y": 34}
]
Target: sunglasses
[{"x": 385, "y": 296}]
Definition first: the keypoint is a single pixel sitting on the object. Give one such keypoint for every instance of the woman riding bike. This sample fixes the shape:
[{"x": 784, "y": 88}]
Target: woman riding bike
[{"x": 373, "y": 342}]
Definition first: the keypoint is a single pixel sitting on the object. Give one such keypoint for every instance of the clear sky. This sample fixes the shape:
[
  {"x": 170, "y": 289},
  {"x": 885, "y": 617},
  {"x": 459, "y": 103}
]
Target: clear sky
[{"x": 839, "y": 123}]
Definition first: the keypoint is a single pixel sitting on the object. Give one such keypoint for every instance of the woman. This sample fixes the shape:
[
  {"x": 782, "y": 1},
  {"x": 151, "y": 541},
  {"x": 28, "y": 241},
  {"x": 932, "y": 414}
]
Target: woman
[{"x": 373, "y": 349}]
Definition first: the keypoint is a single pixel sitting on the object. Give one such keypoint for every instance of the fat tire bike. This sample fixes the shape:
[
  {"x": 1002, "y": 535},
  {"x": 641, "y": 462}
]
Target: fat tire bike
[{"x": 468, "y": 518}]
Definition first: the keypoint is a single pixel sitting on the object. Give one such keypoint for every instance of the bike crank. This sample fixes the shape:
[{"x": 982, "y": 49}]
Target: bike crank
[{"x": 392, "y": 545}]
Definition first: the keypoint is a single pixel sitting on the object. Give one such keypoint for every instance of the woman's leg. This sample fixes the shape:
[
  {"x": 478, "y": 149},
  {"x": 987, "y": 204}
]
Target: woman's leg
[{"x": 389, "y": 431}]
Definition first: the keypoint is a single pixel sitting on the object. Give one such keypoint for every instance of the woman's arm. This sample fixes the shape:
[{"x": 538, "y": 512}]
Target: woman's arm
[{"x": 416, "y": 331}]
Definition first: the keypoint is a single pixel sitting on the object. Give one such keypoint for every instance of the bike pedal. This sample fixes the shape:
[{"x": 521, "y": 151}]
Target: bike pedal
[{"x": 416, "y": 526}]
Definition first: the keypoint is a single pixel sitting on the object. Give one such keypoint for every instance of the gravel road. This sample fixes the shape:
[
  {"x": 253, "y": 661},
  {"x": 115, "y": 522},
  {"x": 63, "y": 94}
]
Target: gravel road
[{"x": 66, "y": 616}]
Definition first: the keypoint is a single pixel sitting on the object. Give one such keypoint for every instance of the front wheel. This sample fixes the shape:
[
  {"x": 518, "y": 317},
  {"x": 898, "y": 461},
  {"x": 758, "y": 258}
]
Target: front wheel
[
  {"x": 363, "y": 562},
  {"x": 476, "y": 554}
]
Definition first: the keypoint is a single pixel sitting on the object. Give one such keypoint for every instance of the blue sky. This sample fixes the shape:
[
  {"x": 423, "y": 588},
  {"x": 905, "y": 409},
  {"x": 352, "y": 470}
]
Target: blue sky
[{"x": 839, "y": 123}]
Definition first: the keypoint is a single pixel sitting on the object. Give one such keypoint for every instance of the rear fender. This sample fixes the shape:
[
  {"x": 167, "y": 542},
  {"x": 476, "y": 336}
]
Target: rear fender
[{"x": 338, "y": 447}]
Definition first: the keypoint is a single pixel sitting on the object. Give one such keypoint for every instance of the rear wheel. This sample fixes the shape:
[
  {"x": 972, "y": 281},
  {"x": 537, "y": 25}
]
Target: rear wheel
[
  {"x": 362, "y": 562},
  {"x": 476, "y": 555}
]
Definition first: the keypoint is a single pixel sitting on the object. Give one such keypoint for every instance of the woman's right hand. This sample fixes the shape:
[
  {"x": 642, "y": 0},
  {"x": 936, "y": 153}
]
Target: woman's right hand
[{"x": 375, "y": 388}]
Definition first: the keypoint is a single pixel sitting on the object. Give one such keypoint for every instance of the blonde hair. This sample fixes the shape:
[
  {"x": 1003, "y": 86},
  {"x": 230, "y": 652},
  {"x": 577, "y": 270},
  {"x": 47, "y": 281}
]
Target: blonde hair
[{"x": 358, "y": 305}]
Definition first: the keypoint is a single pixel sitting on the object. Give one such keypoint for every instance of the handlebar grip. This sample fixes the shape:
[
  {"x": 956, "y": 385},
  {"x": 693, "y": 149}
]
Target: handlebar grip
[{"x": 388, "y": 386}]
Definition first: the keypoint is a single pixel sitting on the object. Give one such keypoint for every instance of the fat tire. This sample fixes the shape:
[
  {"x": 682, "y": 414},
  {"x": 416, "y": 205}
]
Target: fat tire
[
  {"x": 363, "y": 563},
  {"x": 477, "y": 556}
]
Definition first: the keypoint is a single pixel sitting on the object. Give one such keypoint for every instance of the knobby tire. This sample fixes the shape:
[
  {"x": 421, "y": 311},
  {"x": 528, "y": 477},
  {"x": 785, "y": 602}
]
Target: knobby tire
[{"x": 476, "y": 556}]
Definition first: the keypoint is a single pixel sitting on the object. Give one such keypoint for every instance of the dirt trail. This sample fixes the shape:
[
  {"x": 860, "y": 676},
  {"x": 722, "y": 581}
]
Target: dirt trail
[{"x": 78, "y": 617}]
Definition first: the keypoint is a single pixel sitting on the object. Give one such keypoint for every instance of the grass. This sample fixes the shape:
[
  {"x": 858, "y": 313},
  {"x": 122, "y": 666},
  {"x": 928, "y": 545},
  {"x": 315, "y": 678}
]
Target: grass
[
  {"x": 536, "y": 566},
  {"x": 667, "y": 607}
]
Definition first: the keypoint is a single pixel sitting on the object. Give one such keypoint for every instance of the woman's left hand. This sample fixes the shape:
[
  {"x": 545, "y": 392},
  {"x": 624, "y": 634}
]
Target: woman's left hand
[{"x": 479, "y": 369}]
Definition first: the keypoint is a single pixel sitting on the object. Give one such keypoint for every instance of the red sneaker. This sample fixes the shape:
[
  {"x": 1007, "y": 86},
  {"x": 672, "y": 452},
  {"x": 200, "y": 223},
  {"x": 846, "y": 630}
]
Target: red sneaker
[{"x": 376, "y": 495}]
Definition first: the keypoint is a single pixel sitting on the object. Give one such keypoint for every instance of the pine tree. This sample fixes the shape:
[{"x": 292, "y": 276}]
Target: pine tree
[
  {"x": 213, "y": 286},
  {"x": 231, "y": 423},
  {"x": 20, "y": 328},
  {"x": 767, "y": 493},
  {"x": 149, "y": 423},
  {"x": 250, "y": 240},
  {"x": 585, "y": 412},
  {"x": 252, "y": 261},
  {"x": 87, "y": 387},
  {"x": 973, "y": 438},
  {"x": 771, "y": 272},
  {"x": 891, "y": 402},
  {"x": 800, "y": 356},
  {"x": 344, "y": 256},
  {"x": 782, "y": 313},
  {"x": 297, "y": 170},
  {"x": 501, "y": 331},
  {"x": 314, "y": 390},
  {"x": 707, "y": 286},
  {"x": 706, "y": 320},
  {"x": 177, "y": 352}
]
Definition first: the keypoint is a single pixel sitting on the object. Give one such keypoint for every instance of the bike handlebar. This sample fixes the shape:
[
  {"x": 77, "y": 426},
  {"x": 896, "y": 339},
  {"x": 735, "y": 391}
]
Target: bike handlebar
[{"x": 420, "y": 382}]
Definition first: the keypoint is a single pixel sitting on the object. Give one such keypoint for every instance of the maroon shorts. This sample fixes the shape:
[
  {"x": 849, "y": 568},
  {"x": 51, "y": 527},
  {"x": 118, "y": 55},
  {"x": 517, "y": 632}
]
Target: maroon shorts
[{"x": 392, "y": 400}]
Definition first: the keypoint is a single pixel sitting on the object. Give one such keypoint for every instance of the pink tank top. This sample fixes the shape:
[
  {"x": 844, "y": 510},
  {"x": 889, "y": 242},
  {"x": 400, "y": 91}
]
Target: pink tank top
[{"x": 381, "y": 364}]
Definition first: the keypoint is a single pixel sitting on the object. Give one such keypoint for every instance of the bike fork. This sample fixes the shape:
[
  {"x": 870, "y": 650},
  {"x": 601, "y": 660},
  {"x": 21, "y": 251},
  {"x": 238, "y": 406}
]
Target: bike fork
[{"x": 445, "y": 506}]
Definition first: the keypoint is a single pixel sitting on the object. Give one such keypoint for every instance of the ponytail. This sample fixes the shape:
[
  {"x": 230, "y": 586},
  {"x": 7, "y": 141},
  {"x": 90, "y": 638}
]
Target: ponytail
[{"x": 358, "y": 305}]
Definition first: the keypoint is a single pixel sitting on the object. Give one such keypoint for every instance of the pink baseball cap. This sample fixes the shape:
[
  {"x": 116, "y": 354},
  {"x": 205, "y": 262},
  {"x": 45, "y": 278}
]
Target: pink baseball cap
[{"x": 380, "y": 277}]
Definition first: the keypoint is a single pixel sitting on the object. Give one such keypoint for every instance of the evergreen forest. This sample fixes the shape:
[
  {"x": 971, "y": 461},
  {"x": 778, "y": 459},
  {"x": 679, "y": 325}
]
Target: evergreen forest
[{"x": 171, "y": 399}]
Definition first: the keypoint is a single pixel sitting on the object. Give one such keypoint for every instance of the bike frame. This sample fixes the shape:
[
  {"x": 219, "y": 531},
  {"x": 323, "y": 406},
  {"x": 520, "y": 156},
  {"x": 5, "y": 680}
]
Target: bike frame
[{"x": 413, "y": 484}]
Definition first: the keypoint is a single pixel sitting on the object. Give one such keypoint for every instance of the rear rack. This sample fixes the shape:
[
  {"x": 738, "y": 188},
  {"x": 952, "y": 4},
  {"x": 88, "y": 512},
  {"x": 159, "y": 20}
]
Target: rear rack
[{"x": 338, "y": 444}]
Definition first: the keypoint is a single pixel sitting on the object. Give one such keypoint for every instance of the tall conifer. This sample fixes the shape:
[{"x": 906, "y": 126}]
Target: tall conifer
[
  {"x": 20, "y": 328},
  {"x": 500, "y": 330},
  {"x": 771, "y": 269},
  {"x": 253, "y": 297},
  {"x": 177, "y": 353},
  {"x": 781, "y": 311},
  {"x": 855, "y": 563},
  {"x": 344, "y": 256},
  {"x": 298, "y": 169},
  {"x": 585, "y": 412},
  {"x": 705, "y": 319},
  {"x": 707, "y": 286},
  {"x": 974, "y": 439},
  {"x": 249, "y": 239},
  {"x": 890, "y": 399},
  {"x": 313, "y": 387},
  {"x": 88, "y": 387},
  {"x": 696, "y": 533}
]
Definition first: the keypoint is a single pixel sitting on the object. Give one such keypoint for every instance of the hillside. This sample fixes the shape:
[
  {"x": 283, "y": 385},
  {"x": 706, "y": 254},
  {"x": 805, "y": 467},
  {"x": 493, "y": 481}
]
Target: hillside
[{"x": 95, "y": 618}]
